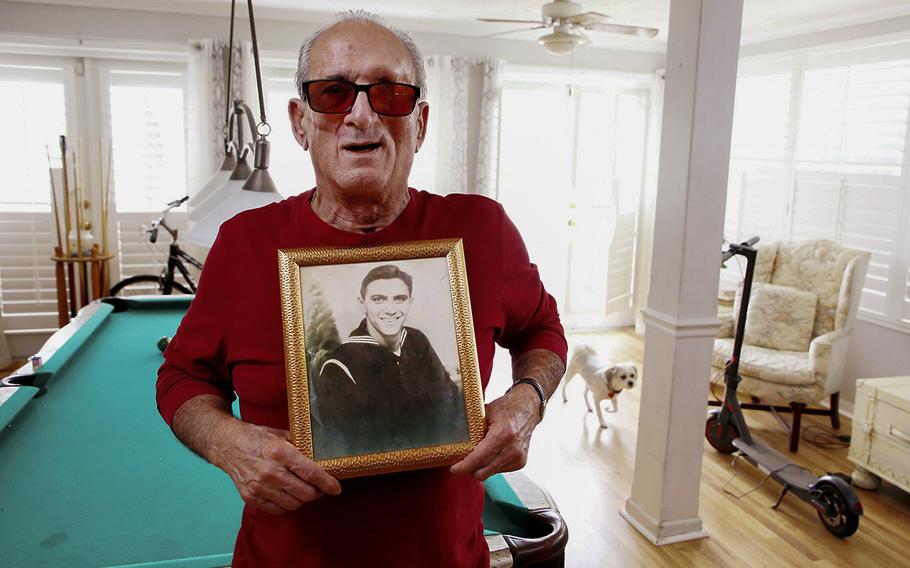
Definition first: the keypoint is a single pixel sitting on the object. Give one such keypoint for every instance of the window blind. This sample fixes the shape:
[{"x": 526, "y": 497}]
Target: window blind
[
  {"x": 837, "y": 169},
  {"x": 34, "y": 101},
  {"x": 28, "y": 297}
]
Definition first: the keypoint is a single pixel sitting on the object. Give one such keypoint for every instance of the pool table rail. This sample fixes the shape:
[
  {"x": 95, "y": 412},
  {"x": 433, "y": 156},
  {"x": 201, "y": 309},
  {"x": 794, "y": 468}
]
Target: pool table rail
[{"x": 544, "y": 539}]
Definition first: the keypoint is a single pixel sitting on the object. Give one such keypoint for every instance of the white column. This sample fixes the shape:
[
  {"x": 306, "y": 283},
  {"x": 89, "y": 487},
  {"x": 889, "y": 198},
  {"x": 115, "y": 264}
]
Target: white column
[{"x": 681, "y": 315}]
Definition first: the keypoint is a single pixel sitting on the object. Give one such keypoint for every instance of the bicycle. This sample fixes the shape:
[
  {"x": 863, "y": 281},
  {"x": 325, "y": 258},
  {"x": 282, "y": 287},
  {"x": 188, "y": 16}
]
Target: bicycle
[{"x": 166, "y": 282}]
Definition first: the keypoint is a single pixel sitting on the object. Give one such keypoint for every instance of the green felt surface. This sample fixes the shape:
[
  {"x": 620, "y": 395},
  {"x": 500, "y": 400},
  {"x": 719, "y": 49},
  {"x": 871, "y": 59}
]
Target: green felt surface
[
  {"x": 502, "y": 509},
  {"x": 91, "y": 474},
  {"x": 10, "y": 407}
]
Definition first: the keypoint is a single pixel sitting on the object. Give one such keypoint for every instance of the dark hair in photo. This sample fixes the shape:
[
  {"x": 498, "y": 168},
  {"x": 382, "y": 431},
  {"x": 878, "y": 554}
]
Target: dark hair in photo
[{"x": 386, "y": 272}]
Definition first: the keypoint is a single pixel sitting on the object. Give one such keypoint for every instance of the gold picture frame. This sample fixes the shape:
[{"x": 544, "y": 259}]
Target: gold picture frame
[{"x": 339, "y": 431}]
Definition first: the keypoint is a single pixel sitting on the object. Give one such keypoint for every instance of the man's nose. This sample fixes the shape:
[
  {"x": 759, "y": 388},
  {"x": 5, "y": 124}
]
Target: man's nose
[{"x": 361, "y": 113}]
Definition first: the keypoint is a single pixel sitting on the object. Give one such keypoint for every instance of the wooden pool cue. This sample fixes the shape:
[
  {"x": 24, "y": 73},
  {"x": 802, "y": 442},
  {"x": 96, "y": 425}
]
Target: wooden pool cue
[
  {"x": 50, "y": 173},
  {"x": 105, "y": 194},
  {"x": 66, "y": 219},
  {"x": 106, "y": 214},
  {"x": 83, "y": 277},
  {"x": 59, "y": 274}
]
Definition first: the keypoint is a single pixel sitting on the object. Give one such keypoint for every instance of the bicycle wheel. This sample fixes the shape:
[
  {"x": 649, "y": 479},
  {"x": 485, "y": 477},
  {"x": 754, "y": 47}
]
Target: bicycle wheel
[{"x": 144, "y": 284}]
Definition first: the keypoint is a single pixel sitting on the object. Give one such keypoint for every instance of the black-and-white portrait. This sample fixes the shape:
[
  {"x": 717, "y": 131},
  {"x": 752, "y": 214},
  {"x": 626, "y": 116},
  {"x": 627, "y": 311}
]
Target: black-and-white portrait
[{"x": 382, "y": 358}]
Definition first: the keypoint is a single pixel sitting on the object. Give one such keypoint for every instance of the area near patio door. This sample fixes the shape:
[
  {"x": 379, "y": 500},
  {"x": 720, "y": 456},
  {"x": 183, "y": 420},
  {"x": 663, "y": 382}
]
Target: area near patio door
[{"x": 571, "y": 172}]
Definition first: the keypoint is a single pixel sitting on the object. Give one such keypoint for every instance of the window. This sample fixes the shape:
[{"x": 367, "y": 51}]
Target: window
[
  {"x": 589, "y": 139},
  {"x": 149, "y": 141},
  {"x": 144, "y": 107},
  {"x": 819, "y": 151},
  {"x": 34, "y": 103},
  {"x": 36, "y": 95}
]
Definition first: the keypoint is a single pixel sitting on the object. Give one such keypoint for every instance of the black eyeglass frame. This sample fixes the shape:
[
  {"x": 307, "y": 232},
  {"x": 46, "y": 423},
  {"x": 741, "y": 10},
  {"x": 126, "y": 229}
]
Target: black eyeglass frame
[{"x": 305, "y": 90}]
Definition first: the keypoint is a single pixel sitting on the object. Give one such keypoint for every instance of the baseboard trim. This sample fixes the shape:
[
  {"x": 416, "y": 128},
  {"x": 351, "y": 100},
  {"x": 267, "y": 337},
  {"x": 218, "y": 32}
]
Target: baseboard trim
[
  {"x": 688, "y": 327},
  {"x": 662, "y": 533}
]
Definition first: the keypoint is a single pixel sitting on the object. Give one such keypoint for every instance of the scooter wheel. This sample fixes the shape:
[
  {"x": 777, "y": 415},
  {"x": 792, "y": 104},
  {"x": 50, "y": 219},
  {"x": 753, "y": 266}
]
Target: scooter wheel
[
  {"x": 720, "y": 437},
  {"x": 836, "y": 516}
]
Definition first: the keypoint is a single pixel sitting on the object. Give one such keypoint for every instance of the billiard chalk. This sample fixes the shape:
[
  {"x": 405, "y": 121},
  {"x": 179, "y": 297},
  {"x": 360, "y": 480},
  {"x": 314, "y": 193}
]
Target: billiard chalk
[{"x": 163, "y": 343}]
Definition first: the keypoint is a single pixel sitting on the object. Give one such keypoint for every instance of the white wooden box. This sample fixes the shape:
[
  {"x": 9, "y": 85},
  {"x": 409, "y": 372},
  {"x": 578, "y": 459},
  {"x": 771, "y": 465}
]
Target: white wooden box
[{"x": 880, "y": 444}]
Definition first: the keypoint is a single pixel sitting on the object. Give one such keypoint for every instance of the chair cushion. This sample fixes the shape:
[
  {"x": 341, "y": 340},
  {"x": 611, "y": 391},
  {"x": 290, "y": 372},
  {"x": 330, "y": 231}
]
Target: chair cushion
[
  {"x": 779, "y": 317},
  {"x": 817, "y": 266},
  {"x": 765, "y": 258},
  {"x": 780, "y": 367}
]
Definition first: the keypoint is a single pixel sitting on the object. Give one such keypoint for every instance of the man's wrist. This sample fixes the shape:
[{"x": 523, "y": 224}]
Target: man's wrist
[{"x": 537, "y": 392}]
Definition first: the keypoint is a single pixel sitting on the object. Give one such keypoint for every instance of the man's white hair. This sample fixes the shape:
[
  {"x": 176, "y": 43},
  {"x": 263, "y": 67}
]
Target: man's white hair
[{"x": 360, "y": 17}]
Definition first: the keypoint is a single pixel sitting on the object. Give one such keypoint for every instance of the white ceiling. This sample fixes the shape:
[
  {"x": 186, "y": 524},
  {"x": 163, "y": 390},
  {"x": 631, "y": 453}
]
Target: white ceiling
[{"x": 762, "y": 19}]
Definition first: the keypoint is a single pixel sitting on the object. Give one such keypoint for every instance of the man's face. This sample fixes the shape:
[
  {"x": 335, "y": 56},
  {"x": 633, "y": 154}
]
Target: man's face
[
  {"x": 385, "y": 305},
  {"x": 360, "y": 153}
]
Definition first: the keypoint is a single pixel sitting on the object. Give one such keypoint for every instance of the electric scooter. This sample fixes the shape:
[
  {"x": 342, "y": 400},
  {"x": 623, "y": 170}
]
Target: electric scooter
[{"x": 832, "y": 497}]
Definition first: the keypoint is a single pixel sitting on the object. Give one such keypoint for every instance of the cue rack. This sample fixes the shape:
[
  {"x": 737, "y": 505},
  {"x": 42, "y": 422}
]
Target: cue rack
[{"x": 82, "y": 267}]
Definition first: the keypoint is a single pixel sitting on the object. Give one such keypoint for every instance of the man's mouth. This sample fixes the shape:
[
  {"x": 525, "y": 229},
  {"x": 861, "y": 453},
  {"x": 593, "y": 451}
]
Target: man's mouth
[{"x": 361, "y": 148}]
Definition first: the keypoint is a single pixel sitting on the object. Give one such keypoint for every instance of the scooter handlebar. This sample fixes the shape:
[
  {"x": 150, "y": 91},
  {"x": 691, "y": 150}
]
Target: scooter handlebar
[{"x": 728, "y": 254}]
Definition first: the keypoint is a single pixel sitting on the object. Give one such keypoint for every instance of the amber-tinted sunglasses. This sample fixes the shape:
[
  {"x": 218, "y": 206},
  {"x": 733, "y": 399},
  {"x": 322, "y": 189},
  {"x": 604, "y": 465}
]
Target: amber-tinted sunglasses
[{"x": 334, "y": 96}]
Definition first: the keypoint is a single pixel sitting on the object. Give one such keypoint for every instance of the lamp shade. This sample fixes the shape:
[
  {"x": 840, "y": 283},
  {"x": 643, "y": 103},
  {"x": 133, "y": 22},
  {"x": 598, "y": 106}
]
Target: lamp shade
[
  {"x": 217, "y": 180},
  {"x": 234, "y": 200},
  {"x": 227, "y": 188}
]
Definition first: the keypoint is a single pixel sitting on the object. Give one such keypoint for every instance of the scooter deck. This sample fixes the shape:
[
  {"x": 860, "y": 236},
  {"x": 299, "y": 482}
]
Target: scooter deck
[{"x": 775, "y": 463}]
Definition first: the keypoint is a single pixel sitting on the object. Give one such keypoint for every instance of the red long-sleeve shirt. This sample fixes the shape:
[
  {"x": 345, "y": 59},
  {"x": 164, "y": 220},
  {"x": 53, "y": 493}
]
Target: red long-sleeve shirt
[{"x": 230, "y": 341}]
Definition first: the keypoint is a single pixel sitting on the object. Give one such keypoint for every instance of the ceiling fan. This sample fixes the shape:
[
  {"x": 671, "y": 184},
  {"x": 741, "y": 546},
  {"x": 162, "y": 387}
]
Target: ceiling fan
[{"x": 568, "y": 19}]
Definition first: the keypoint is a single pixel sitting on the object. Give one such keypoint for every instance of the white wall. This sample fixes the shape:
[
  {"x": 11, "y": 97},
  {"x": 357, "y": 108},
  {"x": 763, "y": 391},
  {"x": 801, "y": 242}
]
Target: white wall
[{"x": 875, "y": 351}]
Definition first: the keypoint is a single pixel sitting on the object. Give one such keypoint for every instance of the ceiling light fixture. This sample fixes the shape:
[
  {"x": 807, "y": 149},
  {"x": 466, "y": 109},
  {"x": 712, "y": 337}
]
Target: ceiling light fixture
[
  {"x": 563, "y": 40},
  {"x": 220, "y": 177},
  {"x": 259, "y": 188}
]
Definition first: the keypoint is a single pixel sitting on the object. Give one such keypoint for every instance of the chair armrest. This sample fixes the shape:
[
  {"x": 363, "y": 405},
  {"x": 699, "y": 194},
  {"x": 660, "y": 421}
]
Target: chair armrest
[
  {"x": 828, "y": 357},
  {"x": 726, "y": 325}
]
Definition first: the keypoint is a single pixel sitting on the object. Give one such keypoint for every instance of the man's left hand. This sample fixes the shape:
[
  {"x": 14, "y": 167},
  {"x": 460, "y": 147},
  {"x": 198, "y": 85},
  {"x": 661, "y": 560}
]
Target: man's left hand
[{"x": 511, "y": 419}]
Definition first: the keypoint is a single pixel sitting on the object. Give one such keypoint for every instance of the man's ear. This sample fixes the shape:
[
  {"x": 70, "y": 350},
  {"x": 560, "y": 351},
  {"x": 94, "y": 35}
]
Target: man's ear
[
  {"x": 423, "y": 113},
  {"x": 297, "y": 110},
  {"x": 363, "y": 307}
]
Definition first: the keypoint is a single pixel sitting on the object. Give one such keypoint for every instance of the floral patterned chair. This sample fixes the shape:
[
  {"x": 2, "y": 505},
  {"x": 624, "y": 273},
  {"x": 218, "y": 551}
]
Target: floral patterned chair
[{"x": 801, "y": 312}]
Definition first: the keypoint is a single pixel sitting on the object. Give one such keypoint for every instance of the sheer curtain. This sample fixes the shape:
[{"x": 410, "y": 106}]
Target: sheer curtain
[
  {"x": 441, "y": 166},
  {"x": 487, "y": 165},
  {"x": 459, "y": 154}
]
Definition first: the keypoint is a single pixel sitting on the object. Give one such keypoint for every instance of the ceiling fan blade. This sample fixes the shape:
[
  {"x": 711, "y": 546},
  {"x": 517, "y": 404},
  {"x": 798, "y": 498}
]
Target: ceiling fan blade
[
  {"x": 498, "y": 21},
  {"x": 590, "y": 18},
  {"x": 515, "y": 31},
  {"x": 620, "y": 29}
]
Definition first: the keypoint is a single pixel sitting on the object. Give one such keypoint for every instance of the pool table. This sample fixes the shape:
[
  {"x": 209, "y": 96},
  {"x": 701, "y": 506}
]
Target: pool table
[{"x": 91, "y": 476}]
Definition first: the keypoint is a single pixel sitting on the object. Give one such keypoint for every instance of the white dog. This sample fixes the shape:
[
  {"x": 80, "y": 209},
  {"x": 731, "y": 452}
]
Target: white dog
[{"x": 604, "y": 383}]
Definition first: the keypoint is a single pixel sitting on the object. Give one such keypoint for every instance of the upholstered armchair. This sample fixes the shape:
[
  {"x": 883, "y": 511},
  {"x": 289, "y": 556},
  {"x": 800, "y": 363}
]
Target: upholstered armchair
[{"x": 801, "y": 312}]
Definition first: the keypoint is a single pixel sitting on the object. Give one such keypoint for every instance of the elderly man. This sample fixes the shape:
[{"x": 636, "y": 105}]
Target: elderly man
[
  {"x": 384, "y": 388},
  {"x": 361, "y": 118}
]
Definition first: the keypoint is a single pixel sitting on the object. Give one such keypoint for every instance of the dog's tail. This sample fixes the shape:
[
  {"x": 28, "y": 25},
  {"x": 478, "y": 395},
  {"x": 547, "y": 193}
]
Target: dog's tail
[{"x": 583, "y": 349}]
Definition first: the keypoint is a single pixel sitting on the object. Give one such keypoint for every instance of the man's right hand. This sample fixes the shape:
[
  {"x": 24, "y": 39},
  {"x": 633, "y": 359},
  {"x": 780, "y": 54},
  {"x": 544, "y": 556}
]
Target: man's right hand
[{"x": 269, "y": 472}]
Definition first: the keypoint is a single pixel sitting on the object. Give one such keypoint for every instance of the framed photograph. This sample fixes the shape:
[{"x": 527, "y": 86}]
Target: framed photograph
[{"x": 380, "y": 356}]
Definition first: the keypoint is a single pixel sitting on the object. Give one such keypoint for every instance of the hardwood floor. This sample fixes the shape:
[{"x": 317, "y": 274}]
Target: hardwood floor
[{"x": 588, "y": 471}]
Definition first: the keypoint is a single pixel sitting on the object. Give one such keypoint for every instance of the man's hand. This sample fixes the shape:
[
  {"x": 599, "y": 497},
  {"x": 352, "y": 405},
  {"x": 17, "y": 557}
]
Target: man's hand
[
  {"x": 267, "y": 469},
  {"x": 269, "y": 472},
  {"x": 511, "y": 419}
]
